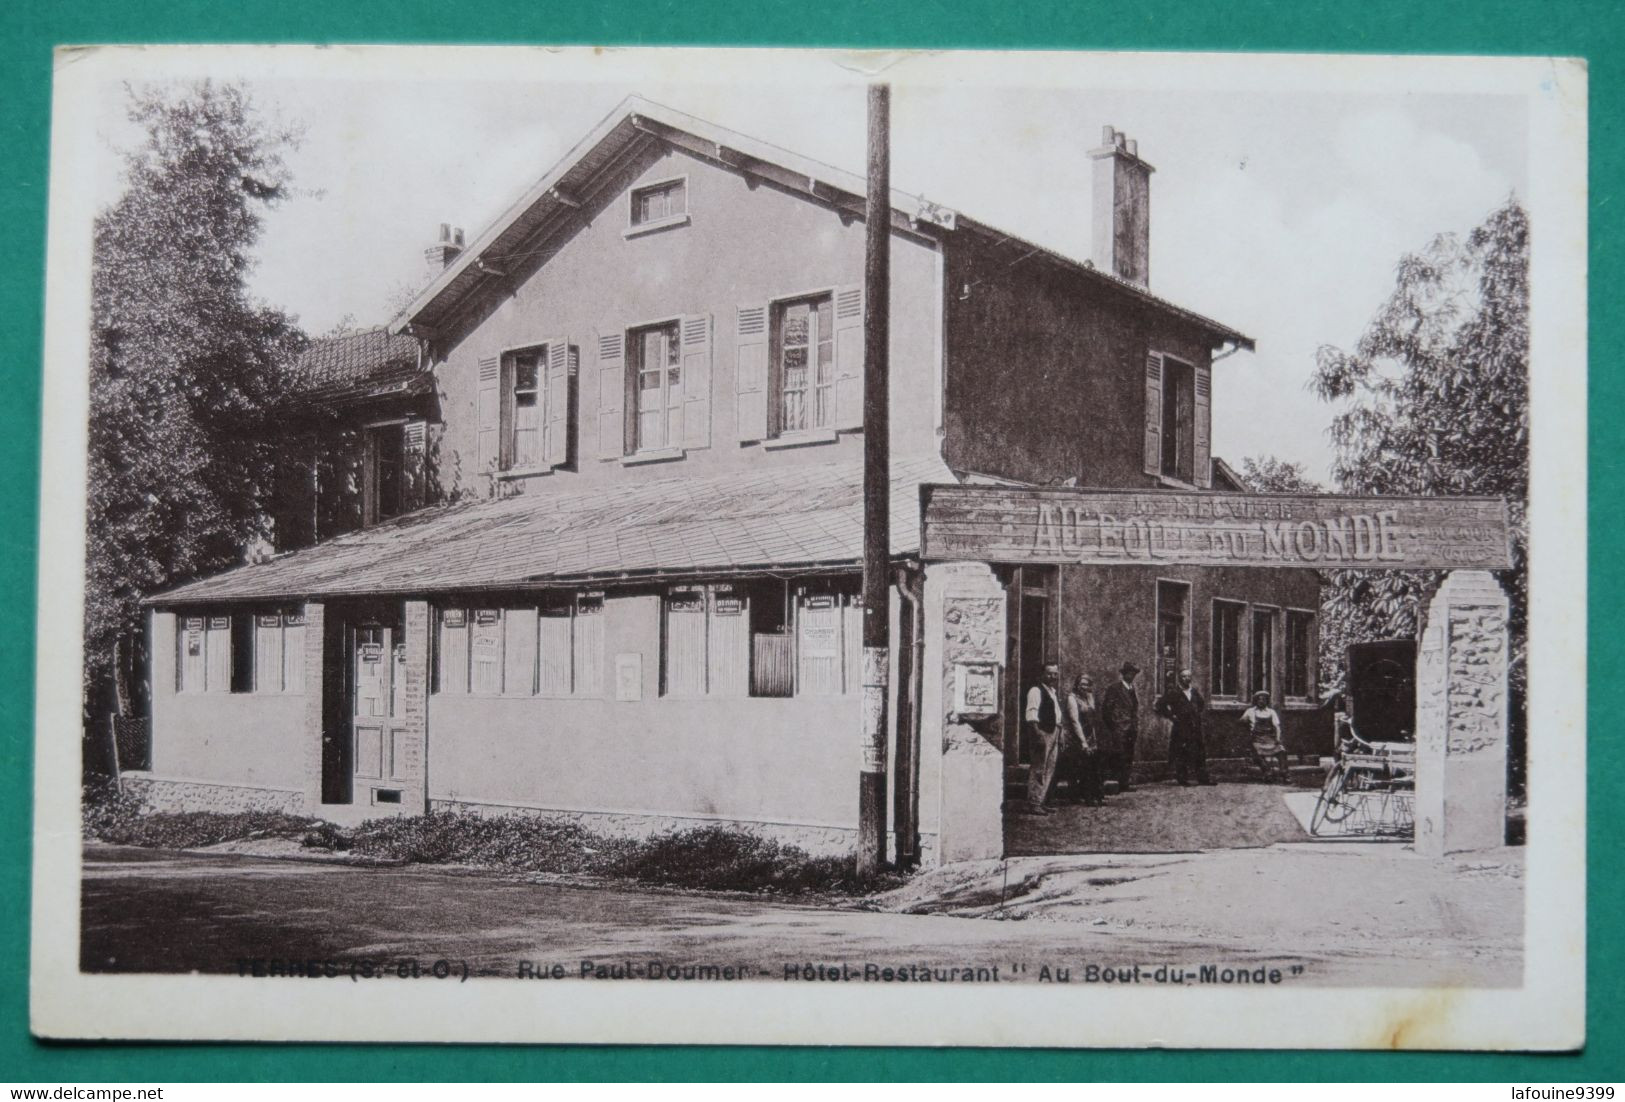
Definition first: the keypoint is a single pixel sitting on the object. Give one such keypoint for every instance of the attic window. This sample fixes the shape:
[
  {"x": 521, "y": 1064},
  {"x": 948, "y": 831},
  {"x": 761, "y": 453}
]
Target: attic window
[{"x": 659, "y": 205}]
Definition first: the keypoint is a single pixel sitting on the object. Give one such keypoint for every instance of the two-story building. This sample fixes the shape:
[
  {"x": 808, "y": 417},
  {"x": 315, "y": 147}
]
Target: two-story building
[{"x": 638, "y": 605}]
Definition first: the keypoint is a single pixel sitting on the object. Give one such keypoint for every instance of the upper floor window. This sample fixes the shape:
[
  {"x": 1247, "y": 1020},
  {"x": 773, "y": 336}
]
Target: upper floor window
[
  {"x": 383, "y": 472},
  {"x": 1178, "y": 420},
  {"x": 525, "y": 426},
  {"x": 526, "y": 408},
  {"x": 804, "y": 364},
  {"x": 659, "y": 204},
  {"x": 654, "y": 390},
  {"x": 657, "y": 362},
  {"x": 1178, "y": 414},
  {"x": 799, "y": 371}
]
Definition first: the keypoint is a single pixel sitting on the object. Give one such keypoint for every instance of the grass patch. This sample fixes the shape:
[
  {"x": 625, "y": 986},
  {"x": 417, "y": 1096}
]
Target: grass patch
[{"x": 118, "y": 817}]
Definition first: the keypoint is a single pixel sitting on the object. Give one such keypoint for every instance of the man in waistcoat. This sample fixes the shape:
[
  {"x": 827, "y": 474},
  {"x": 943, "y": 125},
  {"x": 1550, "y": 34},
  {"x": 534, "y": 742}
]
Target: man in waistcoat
[{"x": 1043, "y": 718}]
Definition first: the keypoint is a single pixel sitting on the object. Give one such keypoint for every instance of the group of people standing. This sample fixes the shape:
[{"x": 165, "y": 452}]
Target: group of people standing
[{"x": 1083, "y": 742}]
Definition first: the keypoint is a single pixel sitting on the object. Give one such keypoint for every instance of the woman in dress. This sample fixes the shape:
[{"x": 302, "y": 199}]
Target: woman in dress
[{"x": 1083, "y": 743}]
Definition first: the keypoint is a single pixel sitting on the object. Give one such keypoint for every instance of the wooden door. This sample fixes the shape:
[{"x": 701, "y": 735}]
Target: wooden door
[{"x": 377, "y": 656}]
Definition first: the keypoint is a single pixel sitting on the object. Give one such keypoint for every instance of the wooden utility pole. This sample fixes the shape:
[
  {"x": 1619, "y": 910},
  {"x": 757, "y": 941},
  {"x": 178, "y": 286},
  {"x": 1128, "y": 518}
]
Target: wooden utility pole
[{"x": 876, "y": 485}]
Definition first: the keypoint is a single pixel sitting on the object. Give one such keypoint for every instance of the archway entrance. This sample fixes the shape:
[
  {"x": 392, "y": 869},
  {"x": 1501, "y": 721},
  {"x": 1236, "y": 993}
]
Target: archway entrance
[{"x": 1142, "y": 586}]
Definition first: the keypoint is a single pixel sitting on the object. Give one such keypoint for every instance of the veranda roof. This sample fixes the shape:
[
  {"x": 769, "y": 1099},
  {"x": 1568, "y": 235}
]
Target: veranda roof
[{"x": 790, "y": 517}]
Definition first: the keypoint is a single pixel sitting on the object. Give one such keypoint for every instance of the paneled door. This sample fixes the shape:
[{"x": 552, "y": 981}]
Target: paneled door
[{"x": 378, "y": 708}]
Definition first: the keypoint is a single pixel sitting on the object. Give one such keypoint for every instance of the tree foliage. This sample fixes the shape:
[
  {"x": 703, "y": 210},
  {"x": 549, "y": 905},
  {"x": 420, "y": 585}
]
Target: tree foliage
[
  {"x": 1265, "y": 474},
  {"x": 1435, "y": 400},
  {"x": 185, "y": 365}
]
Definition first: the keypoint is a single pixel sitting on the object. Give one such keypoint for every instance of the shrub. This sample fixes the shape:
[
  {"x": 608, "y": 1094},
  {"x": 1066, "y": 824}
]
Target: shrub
[
  {"x": 118, "y": 817},
  {"x": 712, "y": 857}
]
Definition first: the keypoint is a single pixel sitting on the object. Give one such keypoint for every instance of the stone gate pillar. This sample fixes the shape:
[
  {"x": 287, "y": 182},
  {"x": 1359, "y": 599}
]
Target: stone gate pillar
[
  {"x": 963, "y": 672},
  {"x": 1461, "y": 716}
]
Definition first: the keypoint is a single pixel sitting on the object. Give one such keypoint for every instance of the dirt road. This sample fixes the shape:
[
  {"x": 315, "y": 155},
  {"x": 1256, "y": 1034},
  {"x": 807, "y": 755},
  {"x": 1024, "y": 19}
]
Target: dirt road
[{"x": 147, "y": 910}]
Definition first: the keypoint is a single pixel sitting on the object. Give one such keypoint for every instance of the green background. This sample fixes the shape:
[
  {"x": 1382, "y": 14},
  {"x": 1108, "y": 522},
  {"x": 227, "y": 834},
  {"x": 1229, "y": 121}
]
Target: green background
[{"x": 29, "y": 29}]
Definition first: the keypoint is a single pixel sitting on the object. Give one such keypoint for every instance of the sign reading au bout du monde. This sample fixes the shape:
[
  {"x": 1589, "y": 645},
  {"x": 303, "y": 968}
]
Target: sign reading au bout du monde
[{"x": 1325, "y": 531}]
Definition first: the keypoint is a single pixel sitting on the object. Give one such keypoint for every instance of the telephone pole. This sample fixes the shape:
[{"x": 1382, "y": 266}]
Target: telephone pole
[{"x": 876, "y": 485}]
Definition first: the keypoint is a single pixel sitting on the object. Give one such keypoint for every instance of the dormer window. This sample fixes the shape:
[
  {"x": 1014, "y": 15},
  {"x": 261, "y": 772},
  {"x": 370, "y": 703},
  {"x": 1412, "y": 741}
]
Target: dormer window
[{"x": 659, "y": 205}]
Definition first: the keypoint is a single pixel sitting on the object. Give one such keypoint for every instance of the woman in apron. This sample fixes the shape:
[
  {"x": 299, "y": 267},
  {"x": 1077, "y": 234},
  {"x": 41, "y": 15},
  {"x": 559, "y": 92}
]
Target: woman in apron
[{"x": 1263, "y": 724}]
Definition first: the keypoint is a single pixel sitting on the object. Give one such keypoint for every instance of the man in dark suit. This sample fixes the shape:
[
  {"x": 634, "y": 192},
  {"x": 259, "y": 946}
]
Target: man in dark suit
[
  {"x": 1183, "y": 706},
  {"x": 1120, "y": 718}
]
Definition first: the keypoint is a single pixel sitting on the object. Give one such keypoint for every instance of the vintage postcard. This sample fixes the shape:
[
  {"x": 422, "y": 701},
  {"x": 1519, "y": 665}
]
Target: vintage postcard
[{"x": 791, "y": 547}]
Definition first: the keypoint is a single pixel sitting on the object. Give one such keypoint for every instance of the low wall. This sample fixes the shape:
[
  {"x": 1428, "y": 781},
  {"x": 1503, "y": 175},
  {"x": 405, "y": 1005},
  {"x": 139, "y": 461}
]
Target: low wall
[
  {"x": 178, "y": 794},
  {"x": 820, "y": 841}
]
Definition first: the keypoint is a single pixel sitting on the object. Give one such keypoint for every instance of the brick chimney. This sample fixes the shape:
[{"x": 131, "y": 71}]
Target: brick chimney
[
  {"x": 450, "y": 246},
  {"x": 1122, "y": 201}
]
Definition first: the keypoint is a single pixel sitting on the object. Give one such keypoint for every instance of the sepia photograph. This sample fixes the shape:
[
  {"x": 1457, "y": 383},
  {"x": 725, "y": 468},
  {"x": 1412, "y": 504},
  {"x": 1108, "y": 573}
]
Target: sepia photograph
[{"x": 991, "y": 549}]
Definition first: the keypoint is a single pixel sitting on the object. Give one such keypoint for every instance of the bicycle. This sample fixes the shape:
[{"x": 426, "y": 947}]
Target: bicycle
[{"x": 1370, "y": 789}]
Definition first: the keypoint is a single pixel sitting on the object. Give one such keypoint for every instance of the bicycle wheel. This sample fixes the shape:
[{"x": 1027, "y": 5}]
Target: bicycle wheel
[{"x": 1333, "y": 806}]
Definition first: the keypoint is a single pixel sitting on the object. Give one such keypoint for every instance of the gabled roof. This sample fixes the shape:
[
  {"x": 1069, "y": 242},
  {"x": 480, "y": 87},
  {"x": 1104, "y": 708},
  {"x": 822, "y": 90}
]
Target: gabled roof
[
  {"x": 785, "y": 518},
  {"x": 636, "y": 122},
  {"x": 365, "y": 363}
]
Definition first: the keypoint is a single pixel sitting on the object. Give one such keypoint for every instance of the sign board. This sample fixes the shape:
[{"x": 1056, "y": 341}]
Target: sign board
[
  {"x": 976, "y": 688},
  {"x": 629, "y": 676},
  {"x": 1118, "y": 527}
]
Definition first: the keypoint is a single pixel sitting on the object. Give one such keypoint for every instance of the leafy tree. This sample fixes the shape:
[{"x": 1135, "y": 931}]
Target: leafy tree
[
  {"x": 1266, "y": 474},
  {"x": 1435, "y": 400},
  {"x": 186, "y": 366}
]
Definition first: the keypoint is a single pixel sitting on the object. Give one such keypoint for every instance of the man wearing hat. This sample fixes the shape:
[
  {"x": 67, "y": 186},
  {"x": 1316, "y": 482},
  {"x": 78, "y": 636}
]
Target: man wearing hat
[{"x": 1120, "y": 717}]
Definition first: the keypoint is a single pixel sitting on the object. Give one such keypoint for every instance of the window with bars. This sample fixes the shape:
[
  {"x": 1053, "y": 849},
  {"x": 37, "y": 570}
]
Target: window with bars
[{"x": 552, "y": 648}]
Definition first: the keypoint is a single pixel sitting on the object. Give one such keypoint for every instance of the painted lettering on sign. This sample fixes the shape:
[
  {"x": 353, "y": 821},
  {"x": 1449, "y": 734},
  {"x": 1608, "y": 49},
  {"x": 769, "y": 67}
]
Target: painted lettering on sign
[{"x": 1001, "y": 524}]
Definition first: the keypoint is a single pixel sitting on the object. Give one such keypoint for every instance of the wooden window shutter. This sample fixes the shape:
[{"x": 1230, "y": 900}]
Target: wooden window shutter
[
  {"x": 414, "y": 442},
  {"x": 1203, "y": 452},
  {"x": 750, "y": 379},
  {"x": 849, "y": 357},
  {"x": 611, "y": 396},
  {"x": 696, "y": 337},
  {"x": 556, "y": 393},
  {"x": 490, "y": 413},
  {"x": 1153, "y": 413}
]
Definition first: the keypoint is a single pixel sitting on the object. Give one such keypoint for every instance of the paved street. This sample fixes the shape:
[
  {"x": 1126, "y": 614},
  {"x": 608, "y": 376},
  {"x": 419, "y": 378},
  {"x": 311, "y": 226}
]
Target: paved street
[{"x": 151, "y": 910}]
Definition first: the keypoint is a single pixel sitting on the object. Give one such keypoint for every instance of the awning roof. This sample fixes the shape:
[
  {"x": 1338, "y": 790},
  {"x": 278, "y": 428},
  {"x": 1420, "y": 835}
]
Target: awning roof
[{"x": 794, "y": 517}]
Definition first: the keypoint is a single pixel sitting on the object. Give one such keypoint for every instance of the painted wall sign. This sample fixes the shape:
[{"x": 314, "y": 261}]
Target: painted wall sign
[{"x": 1325, "y": 531}]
